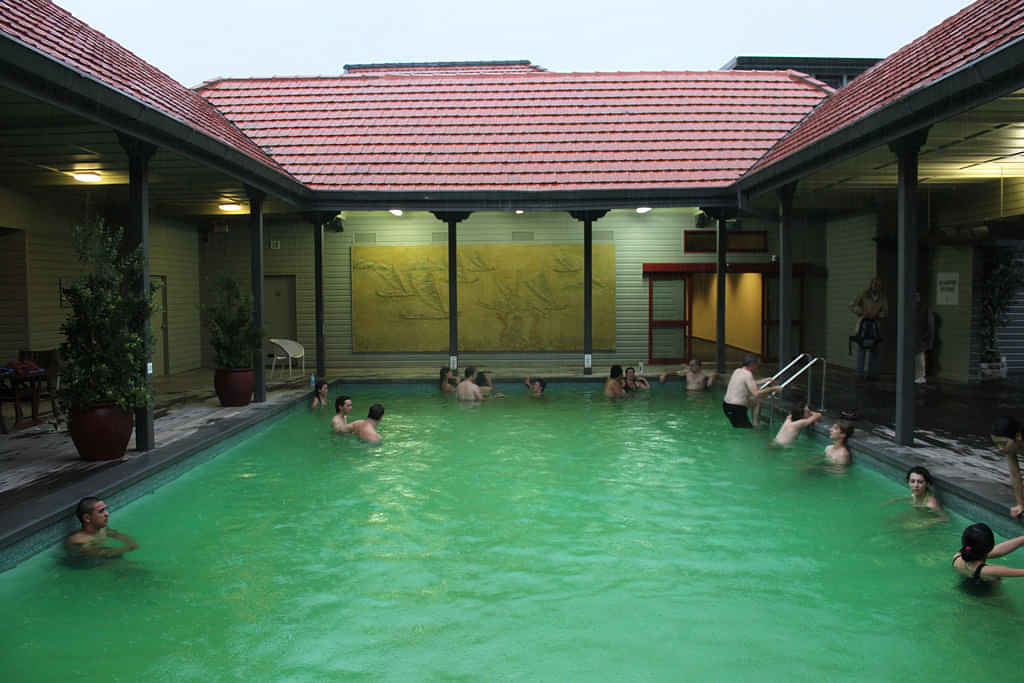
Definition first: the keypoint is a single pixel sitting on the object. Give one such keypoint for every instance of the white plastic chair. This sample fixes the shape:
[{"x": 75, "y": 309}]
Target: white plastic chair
[{"x": 290, "y": 350}]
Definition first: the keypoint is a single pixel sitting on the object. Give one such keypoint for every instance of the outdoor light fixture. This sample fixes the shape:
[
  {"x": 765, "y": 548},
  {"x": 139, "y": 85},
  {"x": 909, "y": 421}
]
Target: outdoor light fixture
[
  {"x": 87, "y": 176},
  {"x": 519, "y": 212},
  {"x": 229, "y": 206},
  {"x": 643, "y": 209},
  {"x": 395, "y": 212}
]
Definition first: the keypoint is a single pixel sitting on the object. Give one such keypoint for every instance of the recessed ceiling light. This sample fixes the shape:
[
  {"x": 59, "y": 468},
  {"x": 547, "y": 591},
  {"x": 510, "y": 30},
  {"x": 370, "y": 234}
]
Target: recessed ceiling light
[
  {"x": 643, "y": 209},
  {"x": 519, "y": 212},
  {"x": 395, "y": 212},
  {"x": 229, "y": 206},
  {"x": 87, "y": 176}
]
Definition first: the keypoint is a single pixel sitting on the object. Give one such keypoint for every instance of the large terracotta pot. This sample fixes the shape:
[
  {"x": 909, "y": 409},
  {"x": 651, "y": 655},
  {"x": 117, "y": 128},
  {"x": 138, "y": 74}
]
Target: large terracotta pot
[
  {"x": 234, "y": 387},
  {"x": 102, "y": 432}
]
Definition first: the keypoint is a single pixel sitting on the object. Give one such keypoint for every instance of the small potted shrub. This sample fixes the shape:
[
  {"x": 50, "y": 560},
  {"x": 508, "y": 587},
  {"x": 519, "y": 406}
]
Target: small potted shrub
[
  {"x": 1003, "y": 278},
  {"x": 236, "y": 339},
  {"x": 104, "y": 352}
]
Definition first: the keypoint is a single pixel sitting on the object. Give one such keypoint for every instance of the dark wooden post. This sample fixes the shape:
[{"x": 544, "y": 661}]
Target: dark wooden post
[
  {"x": 256, "y": 197},
  {"x": 319, "y": 220},
  {"x": 452, "y": 218},
  {"x": 588, "y": 218},
  {"x": 137, "y": 235},
  {"x": 785, "y": 195},
  {"x": 906, "y": 150}
]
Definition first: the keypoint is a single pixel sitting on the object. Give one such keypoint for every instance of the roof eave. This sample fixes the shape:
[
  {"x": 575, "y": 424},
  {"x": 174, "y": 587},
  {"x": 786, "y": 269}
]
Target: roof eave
[
  {"x": 36, "y": 74},
  {"x": 986, "y": 78},
  {"x": 509, "y": 200}
]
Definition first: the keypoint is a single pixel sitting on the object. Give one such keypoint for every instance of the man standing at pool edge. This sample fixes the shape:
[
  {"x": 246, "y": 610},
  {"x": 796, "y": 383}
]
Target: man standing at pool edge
[
  {"x": 742, "y": 392},
  {"x": 90, "y": 540}
]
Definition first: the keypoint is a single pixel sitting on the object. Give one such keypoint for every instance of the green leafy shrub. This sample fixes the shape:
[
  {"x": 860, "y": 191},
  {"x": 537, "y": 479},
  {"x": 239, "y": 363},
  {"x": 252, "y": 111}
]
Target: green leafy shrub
[
  {"x": 104, "y": 353},
  {"x": 1003, "y": 279},
  {"x": 234, "y": 335}
]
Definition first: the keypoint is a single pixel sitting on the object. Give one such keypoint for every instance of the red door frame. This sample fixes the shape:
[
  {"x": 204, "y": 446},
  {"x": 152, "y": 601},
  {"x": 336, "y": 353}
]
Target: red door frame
[{"x": 684, "y": 324}]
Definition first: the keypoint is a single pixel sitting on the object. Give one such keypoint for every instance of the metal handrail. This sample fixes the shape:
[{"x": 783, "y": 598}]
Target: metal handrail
[
  {"x": 808, "y": 368},
  {"x": 783, "y": 370}
]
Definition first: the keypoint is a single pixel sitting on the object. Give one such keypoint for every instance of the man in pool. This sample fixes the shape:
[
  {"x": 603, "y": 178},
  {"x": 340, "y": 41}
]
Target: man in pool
[
  {"x": 742, "y": 393},
  {"x": 615, "y": 385},
  {"x": 795, "y": 422},
  {"x": 1009, "y": 440},
  {"x": 838, "y": 453},
  {"x": 366, "y": 429},
  {"x": 696, "y": 378},
  {"x": 468, "y": 389},
  {"x": 342, "y": 407},
  {"x": 91, "y": 540},
  {"x": 536, "y": 385}
]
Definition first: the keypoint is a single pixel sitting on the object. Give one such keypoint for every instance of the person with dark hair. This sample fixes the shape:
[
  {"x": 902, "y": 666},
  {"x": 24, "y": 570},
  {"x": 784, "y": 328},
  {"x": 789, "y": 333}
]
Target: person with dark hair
[
  {"x": 919, "y": 480},
  {"x": 978, "y": 546},
  {"x": 486, "y": 385},
  {"x": 320, "y": 394},
  {"x": 635, "y": 382},
  {"x": 366, "y": 429},
  {"x": 870, "y": 307},
  {"x": 91, "y": 540},
  {"x": 838, "y": 453},
  {"x": 1009, "y": 440},
  {"x": 696, "y": 378},
  {"x": 615, "y": 385},
  {"x": 743, "y": 392},
  {"x": 468, "y": 389},
  {"x": 447, "y": 380},
  {"x": 536, "y": 385},
  {"x": 797, "y": 419},
  {"x": 342, "y": 407}
]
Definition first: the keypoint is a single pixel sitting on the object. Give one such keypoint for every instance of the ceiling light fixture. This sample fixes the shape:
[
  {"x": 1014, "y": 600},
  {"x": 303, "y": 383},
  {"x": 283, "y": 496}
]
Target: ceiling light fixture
[
  {"x": 519, "y": 212},
  {"x": 395, "y": 212},
  {"x": 87, "y": 176},
  {"x": 643, "y": 209},
  {"x": 229, "y": 206}
]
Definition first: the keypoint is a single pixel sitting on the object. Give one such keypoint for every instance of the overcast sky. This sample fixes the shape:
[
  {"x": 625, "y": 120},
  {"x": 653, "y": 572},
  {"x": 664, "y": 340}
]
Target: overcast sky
[{"x": 195, "y": 40}]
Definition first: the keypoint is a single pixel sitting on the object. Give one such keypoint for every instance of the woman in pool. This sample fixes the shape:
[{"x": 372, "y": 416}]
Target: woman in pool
[
  {"x": 978, "y": 545},
  {"x": 919, "y": 480},
  {"x": 320, "y": 395},
  {"x": 447, "y": 381}
]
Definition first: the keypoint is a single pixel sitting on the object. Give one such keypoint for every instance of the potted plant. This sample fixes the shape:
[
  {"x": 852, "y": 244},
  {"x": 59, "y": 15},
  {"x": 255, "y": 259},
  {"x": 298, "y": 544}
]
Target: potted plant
[
  {"x": 1003, "y": 278},
  {"x": 235, "y": 338},
  {"x": 104, "y": 352}
]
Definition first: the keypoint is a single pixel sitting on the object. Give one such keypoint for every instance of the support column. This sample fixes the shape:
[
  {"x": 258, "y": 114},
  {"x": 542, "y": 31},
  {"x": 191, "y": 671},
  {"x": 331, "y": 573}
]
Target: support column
[
  {"x": 319, "y": 220},
  {"x": 256, "y": 197},
  {"x": 786, "y": 350},
  {"x": 452, "y": 218},
  {"x": 723, "y": 250},
  {"x": 137, "y": 235},
  {"x": 906, "y": 151},
  {"x": 588, "y": 218}
]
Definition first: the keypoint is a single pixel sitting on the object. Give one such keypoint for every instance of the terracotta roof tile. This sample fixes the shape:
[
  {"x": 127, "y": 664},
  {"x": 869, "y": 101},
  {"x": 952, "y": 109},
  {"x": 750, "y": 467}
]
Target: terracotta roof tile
[
  {"x": 518, "y": 130},
  {"x": 977, "y": 30},
  {"x": 56, "y": 33}
]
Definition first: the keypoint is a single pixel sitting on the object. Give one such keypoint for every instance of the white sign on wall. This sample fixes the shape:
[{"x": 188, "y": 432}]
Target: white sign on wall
[{"x": 947, "y": 289}]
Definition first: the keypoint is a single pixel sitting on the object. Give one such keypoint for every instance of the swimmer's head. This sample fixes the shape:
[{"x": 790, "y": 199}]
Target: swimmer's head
[
  {"x": 630, "y": 372},
  {"x": 445, "y": 372},
  {"x": 1006, "y": 427},
  {"x": 343, "y": 404},
  {"x": 470, "y": 371},
  {"x": 976, "y": 542},
  {"x": 376, "y": 412},
  {"x": 616, "y": 371},
  {"x": 841, "y": 429},
  {"x": 694, "y": 365},
  {"x": 798, "y": 413},
  {"x": 751, "y": 360},
  {"x": 539, "y": 384},
  {"x": 481, "y": 379},
  {"x": 91, "y": 511},
  {"x": 919, "y": 479},
  {"x": 321, "y": 387}
]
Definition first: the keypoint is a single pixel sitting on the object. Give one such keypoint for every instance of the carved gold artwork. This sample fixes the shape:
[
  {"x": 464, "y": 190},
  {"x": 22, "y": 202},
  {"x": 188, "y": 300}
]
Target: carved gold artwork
[{"x": 512, "y": 297}]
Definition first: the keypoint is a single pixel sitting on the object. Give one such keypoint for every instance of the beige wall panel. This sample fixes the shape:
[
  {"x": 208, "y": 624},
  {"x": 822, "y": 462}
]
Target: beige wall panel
[
  {"x": 953, "y": 321},
  {"x": 851, "y": 262},
  {"x": 13, "y": 296},
  {"x": 174, "y": 253}
]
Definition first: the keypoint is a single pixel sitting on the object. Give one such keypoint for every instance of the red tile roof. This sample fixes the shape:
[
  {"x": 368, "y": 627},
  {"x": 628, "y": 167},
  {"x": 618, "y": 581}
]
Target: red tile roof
[
  {"x": 536, "y": 131},
  {"x": 57, "y": 34},
  {"x": 974, "y": 32},
  {"x": 421, "y": 68}
]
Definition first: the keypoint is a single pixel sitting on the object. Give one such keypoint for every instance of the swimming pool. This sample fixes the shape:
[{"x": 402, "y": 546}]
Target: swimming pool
[{"x": 567, "y": 538}]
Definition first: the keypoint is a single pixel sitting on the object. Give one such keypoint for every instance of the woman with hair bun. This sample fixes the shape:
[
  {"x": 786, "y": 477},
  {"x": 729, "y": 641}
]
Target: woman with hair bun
[{"x": 978, "y": 546}]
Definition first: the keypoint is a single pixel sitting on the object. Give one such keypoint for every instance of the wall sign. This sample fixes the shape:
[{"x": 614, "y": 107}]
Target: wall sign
[{"x": 947, "y": 289}]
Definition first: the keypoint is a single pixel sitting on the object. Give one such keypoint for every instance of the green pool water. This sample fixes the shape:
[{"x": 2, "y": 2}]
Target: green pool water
[{"x": 567, "y": 538}]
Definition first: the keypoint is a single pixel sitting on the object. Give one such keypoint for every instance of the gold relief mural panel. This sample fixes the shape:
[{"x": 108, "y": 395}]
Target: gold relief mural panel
[{"x": 512, "y": 297}]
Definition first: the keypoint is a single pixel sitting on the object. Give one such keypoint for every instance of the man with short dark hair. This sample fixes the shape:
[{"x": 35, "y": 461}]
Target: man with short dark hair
[
  {"x": 367, "y": 429},
  {"x": 743, "y": 393},
  {"x": 91, "y": 539},
  {"x": 467, "y": 389},
  {"x": 615, "y": 385}
]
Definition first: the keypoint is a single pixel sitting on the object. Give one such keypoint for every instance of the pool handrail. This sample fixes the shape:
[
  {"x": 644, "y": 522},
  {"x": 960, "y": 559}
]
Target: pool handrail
[{"x": 806, "y": 368}]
